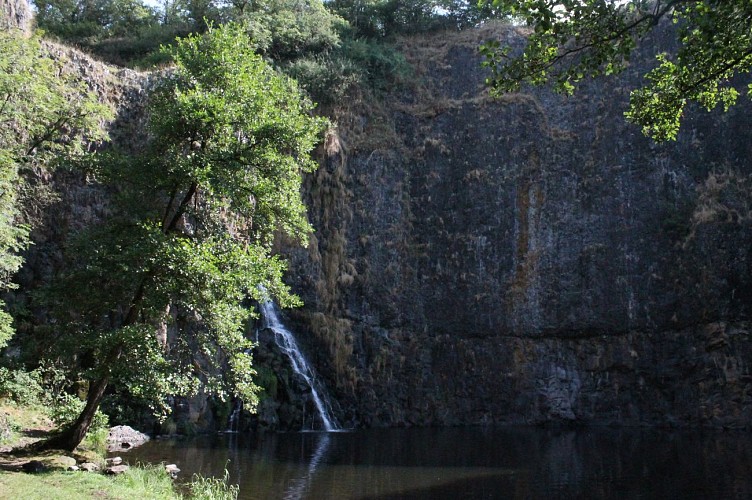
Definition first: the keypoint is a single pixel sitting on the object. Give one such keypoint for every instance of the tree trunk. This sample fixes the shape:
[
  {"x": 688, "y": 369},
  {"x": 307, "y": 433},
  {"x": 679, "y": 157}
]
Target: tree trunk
[{"x": 71, "y": 437}]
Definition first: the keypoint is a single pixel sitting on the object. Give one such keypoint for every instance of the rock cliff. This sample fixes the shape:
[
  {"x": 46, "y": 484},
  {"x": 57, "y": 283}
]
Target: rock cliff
[
  {"x": 528, "y": 260},
  {"x": 15, "y": 14}
]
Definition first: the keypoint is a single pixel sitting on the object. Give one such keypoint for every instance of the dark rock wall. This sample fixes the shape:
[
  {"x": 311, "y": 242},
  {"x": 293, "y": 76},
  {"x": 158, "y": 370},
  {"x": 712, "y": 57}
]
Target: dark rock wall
[{"x": 531, "y": 259}]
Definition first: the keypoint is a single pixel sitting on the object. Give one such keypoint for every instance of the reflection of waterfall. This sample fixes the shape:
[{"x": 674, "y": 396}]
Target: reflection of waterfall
[
  {"x": 286, "y": 341},
  {"x": 298, "y": 487}
]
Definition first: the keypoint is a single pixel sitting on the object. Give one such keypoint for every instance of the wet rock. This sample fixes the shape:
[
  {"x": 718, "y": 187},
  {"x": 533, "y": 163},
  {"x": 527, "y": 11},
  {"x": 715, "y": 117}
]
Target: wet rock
[{"x": 529, "y": 260}]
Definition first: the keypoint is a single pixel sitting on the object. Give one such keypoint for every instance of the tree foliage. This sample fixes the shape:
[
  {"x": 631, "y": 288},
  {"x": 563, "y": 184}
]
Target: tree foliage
[
  {"x": 89, "y": 21},
  {"x": 289, "y": 29},
  {"x": 573, "y": 39},
  {"x": 387, "y": 18},
  {"x": 44, "y": 111},
  {"x": 190, "y": 237}
]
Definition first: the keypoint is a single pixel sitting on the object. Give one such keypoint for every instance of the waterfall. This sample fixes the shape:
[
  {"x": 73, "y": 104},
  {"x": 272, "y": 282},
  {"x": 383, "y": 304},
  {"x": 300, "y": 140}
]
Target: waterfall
[
  {"x": 285, "y": 340},
  {"x": 237, "y": 408}
]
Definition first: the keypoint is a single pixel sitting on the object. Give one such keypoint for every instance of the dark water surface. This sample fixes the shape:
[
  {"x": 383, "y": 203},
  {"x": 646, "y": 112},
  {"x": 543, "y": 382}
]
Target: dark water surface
[{"x": 455, "y": 463}]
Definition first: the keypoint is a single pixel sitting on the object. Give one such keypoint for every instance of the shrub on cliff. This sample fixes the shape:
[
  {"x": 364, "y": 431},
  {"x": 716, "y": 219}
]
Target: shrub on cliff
[{"x": 44, "y": 112}]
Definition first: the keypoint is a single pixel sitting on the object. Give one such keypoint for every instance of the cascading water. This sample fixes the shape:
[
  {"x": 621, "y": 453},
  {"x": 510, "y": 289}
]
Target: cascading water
[
  {"x": 285, "y": 340},
  {"x": 237, "y": 408}
]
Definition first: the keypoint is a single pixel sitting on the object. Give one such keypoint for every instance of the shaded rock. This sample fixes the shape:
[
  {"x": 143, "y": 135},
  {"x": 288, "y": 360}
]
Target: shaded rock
[
  {"x": 33, "y": 467},
  {"x": 124, "y": 437},
  {"x": 527, "y": 260},
  {"x": 74, "y": 468}
]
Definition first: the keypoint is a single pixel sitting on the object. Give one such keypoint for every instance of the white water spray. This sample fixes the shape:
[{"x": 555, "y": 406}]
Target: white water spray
[{"x": 285, "y": 340}]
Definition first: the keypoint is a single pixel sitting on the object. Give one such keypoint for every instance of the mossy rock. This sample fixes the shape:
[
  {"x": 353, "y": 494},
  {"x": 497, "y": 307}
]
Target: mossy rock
[{"x": 59, "y": 462}]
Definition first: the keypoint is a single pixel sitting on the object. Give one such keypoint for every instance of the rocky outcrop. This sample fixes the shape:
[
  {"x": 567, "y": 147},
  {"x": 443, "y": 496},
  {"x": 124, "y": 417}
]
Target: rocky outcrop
[
  {"x": 531, "y": 259},
  {"x": 15, "y": 14},
  {"x": 65, "y": 200}
]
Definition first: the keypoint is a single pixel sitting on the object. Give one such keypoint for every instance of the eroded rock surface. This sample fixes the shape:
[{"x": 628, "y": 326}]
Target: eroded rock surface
[
  {"x": 533, "y": 259},
  {"x": 529, "y": 260}
]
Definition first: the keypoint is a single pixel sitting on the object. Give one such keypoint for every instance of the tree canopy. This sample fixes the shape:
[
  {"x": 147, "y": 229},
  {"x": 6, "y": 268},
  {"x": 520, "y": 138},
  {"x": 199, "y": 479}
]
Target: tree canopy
[
  {"x": 574, "y": 39},
  {"x": 190, "y": 235}
]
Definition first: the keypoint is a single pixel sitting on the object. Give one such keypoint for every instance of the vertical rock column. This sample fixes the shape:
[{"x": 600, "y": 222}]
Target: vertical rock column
[{"x": 15, "y": 14}]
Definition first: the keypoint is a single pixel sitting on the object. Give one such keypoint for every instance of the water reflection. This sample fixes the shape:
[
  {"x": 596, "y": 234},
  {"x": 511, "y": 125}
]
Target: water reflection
[
  {"x": 297, "y": 489},
  {"x": 471, "y": 463}
]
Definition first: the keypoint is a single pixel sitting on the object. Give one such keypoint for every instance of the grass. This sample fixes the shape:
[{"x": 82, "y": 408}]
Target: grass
[
  {"x": 213, "y": 488},
  {"x": 145, "y": 482}
]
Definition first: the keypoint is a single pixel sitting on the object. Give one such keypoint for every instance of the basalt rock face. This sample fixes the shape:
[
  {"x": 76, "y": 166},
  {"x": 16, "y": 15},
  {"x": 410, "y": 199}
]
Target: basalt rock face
[
  {"x": 15, "y": 14},
  {"x": 527, "y": 260},
  {"x": 532, "y": 259}
]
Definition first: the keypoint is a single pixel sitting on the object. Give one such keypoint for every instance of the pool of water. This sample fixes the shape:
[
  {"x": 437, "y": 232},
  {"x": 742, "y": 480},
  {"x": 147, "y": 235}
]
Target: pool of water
[{"x": 469, "y": 463}]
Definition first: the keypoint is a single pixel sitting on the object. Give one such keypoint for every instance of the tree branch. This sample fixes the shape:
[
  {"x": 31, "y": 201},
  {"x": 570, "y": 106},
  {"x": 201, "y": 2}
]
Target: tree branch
[
  {"x": 173, "y": 194},
  {"x": 182, "y": 207},
  {"x": 655, "y": 17}
]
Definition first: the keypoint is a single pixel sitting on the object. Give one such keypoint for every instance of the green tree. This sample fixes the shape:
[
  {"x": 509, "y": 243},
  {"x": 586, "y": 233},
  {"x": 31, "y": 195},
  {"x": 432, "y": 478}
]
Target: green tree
[
  {"x": 44, "y": 112},
  {"x": 288, "y": 29},
  {"x": 87, "y": 22},
  {"x": 573, "y": 39},
  {"x": 192, "y": 228},
  {"x": 386, "y": 18}
]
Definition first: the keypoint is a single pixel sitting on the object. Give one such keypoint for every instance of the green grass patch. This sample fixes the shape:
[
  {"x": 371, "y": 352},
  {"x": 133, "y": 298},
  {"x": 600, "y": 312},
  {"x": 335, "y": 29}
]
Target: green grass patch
[
  {"x": 136, "y": 483},
  {"x": 28, "y": 423},
  {"x": 144, "y": 482}
]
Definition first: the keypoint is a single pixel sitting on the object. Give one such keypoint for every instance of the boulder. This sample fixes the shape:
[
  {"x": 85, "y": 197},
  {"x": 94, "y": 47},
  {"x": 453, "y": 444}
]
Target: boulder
[
  {"x": 33, "y": 467},
  {"x": 89, "y": 467},
  {"x": 60, "y": 462},
  {"x": 122, "y": 437},
  {"x": 116, "y": 470}
]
